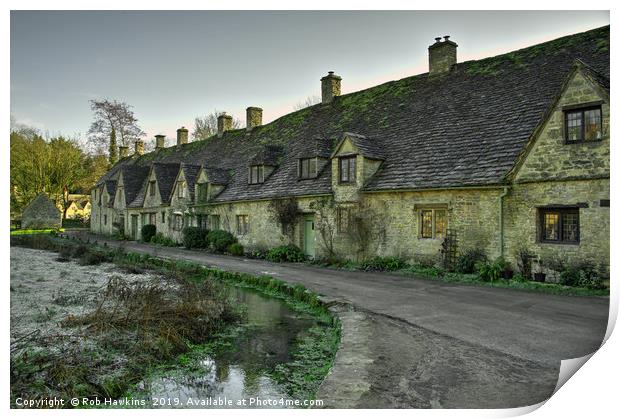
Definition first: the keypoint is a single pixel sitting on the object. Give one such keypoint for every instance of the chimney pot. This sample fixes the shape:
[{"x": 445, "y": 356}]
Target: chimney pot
[
  {"x": 123, "y": 151},
  {"x": 160, "y": 141},
  {"x": 253, "y": 118},
  {"x": 438, "y": 39},
  {"x": 182, "y": 136},
  {"x": 441, "y": 56},
  {"x": 330, "y": 87},
  {"x": 139, "y": 147},
  {"x": 224, "y": 123}
]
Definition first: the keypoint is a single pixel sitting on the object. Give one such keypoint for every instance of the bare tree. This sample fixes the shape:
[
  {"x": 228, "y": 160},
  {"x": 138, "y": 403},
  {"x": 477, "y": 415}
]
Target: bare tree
[
  {"x": 206, "y": 126},
  {"x": 113, "y": 121},
  {"x": 309, "y": 101}
]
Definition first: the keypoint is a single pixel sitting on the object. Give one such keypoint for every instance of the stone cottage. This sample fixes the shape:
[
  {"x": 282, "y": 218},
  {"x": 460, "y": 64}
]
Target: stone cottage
[
  {"x": 41, "y": 213},
  {"x": 503, "y": 154}
]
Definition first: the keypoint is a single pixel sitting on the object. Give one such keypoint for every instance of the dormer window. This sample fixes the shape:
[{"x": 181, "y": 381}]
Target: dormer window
[
  {"x": 152, "y": 188},
  {"x": 346, "y": 169},
  {"x": 256, "y": 174},
  {"x": 203, "y": 190},
  {"x": 181, "y": 189},
  {"x": 308, "y": 168},
  {"x": 583, "y": 124}
]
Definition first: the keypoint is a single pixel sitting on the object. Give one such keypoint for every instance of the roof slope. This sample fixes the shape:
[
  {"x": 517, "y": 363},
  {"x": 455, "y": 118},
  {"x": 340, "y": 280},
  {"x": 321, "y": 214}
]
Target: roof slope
[{"x": 464, "y": 128}]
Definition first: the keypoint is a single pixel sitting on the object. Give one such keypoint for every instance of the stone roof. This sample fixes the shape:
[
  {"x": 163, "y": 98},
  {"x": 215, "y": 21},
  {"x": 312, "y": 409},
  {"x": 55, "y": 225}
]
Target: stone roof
[
  {"x": 134, "y": 177},
  {"x": 191, "y": 172},
  {"x": 462, "y": 128}
]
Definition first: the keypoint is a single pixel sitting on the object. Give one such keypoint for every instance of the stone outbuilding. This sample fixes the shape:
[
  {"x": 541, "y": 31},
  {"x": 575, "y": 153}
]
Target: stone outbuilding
[{"x": 41, "y": 213}]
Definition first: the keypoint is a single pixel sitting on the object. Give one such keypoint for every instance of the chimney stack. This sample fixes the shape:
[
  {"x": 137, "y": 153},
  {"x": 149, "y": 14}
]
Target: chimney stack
[
  {"x": 224, "y": 123},
  {"x": 123, "y": 151},
  {"x": 160, "y": 141},
  {"x": 253, "y": 118},
  {"x": 139, "y": 147},
  {"x": 441, "y": 56},
  {"x": 330, "y": 87},
  {"x": 182, "y": 136}
]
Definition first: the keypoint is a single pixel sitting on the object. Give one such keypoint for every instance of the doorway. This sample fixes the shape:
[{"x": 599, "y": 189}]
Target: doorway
[{"x": 309, "y": 236}]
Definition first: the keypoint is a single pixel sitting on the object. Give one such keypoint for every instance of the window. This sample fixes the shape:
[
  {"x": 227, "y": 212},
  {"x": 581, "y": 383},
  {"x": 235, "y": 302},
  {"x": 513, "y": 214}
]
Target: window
[
  {"x": 583, "y": 124},
  {"x": 202, "y": 191},
  {"x": 214, "y": 222},
  {"x": 307, "y": 168},
  {"x": 163, "y": 217},
  {"x": 243, "y": 224},
  {"x": 203, "y": 222},
  {"x": 257, "y": 174},
  {"x": 105, "y": 219},
  {"x": 152, "y": 218},
  {"x": 181, "y": 189},
  {"x": 559, "y": 225},
  {"x": 433, "y": 223},
  {"x": 343, "y": 220},
  {"x": 346, "y": 169},
  {"x": 178, "y": 222},
  {"x": 152, "y": 188}
]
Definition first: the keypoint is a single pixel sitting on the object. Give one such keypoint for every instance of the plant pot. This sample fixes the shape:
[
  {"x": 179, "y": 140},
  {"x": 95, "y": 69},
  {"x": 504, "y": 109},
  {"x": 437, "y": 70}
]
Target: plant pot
[
  {"x": 539, "y": 276},
  {"x": 507, "y": 274}
]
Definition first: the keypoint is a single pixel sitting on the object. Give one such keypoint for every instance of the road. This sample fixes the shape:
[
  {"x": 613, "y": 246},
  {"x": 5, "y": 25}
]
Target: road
[{"x": 411, "y": 342}]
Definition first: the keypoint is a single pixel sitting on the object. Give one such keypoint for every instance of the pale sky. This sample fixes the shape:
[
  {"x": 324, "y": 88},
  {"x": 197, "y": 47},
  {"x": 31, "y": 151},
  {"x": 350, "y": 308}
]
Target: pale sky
[{"x": 173, "y": 66}]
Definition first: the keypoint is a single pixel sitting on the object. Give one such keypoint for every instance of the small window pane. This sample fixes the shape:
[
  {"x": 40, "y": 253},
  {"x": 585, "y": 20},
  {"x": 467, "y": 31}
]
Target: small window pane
[
  {"x": 570, "y": 227},
  {"x": 312, "y": 168},
  {"x": 440, "y": 223},
  {"x": 427, "y": 224},
  {"x": 551, "y": 226},
  {"x": 593, "y": 124},
  {"x": 573, "y": 126}
]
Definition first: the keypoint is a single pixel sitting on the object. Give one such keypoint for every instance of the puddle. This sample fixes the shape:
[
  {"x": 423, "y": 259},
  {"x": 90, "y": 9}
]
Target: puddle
[{"x": 240, "y": 372}]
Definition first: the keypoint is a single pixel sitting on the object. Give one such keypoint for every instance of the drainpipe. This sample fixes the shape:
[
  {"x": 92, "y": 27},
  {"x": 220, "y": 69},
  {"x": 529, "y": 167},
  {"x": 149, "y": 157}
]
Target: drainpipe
[{"x": 501, "y": 221}]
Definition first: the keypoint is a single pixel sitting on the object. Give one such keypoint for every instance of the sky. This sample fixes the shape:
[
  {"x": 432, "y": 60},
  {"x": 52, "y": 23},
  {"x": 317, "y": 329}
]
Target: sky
[{"x": 172, "y": 66}]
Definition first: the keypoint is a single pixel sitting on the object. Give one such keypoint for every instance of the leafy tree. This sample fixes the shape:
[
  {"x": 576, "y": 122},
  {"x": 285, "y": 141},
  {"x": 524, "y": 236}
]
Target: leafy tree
[
  {"x": 206, "y": 126},
  {"x": 113, "y": 116},
  {"x": 309, "y": 101},
  {"x": 113, "y": 152}
]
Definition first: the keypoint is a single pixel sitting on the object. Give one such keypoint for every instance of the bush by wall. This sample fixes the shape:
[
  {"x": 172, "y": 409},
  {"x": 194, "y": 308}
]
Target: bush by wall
[
  {"x": 466, "y": 262},
  {"x": 380, "y": 263},
  {"x": 148, "y": 231},
  {"x": 159, "y": 238},
  {"x": 219, "y": 240},
  {"x": 287, "y": 253},
  {"x": 236, "y": 249},
  {"x": 195, "y": 238}
]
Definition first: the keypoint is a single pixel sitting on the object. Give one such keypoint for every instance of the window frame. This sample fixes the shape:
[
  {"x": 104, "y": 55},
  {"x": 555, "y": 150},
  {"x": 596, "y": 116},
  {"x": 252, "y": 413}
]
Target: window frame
[
  {"x": 561, "y": 211},
  {"x": 348, "y": 159},
  {"x": 433, "y": 232},
  {"x": 343, "y": 226},
  {"x": 181, "y": 189},
  {"x": 152, "y": 184},
  {"x": 310, "y": 174},
  {"x": 260, "y": 174},
  {"x": 581, "y": 110},
  {"x": 213, "y": 220},
  {"x": 243, "y": 228}
]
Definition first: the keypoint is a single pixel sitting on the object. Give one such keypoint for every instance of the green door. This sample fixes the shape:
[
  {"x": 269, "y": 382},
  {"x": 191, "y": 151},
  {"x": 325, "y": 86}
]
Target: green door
[
  {"x": 309, "y": 236},
  {"x": 134, "y": 226}
]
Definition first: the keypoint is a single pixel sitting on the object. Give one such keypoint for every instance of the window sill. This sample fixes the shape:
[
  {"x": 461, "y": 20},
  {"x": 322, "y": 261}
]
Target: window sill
[
  {"x": 558, "y": 243},
  {"x": 566, "y": 142}
]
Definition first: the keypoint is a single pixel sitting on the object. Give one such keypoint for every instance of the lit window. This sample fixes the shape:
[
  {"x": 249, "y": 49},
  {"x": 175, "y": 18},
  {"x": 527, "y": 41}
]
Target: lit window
[
  {"x": 347, "y": 169},
  {"x": 257, "y": 174},
  {"x": 433, "y": 223},
  {"x": 559, "y": 225},
  {"x": 243, "y": 224},
  {"x": 583, "y": 124}
]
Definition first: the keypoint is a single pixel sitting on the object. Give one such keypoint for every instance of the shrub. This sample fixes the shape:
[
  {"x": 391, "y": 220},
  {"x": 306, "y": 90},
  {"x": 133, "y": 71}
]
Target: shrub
[
  {"x": 93, "y": 258},
  {"x": 195, "y": 238},
  {"x": 379, "y": 263},
  {"x": 287, "y": 253},
  {"x": 148, "y": 231},
  {"x": 219, "y": 240},
  {"x": 466, "y": 262},
  {"x": 159, "y": 238},
  {"x": 491, "y": 272},
  {"x": 236, "y": 249},
  {"x": 524, "y": 262},
  {"x": 581, "y": 274}
]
